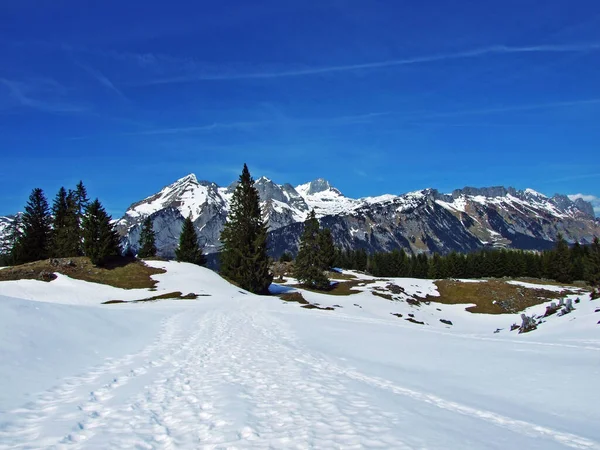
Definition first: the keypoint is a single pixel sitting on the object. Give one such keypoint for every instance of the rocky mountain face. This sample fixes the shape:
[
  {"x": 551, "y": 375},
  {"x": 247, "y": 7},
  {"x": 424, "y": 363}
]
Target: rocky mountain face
[{"x": 423, "y": 221}]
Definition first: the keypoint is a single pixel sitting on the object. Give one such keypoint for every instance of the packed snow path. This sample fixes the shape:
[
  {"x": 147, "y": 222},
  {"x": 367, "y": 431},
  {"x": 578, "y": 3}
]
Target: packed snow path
[{"x": 239, "y": 376}]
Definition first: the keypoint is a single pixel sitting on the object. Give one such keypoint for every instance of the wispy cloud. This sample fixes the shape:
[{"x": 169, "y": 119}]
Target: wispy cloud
[
  {"x": 251, "y": 125},
  {"x": 309, "y": 71},
  {"x": 103, "y": 80},
  {"x": 595, "y": 201},
  {"x": 42, "y": 95},
  {"x": 530, "y": 107}
]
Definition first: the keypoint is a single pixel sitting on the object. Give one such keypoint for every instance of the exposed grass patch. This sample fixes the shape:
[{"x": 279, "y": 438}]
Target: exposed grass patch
[
  {"x": 382, "y": 295},
  {"x": 340, "y": 276},
  {"x": 122, "y": 273},
  {"x": 492, "y": 296},
  {"x": 169, "y": 295},
  {"x": 341, "y": 288},
  {"x": 296, "y": 297}
]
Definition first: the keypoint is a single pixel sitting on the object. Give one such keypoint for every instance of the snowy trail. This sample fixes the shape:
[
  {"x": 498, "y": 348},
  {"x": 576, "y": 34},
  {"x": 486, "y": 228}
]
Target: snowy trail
[{"x": 237, "y": 376}]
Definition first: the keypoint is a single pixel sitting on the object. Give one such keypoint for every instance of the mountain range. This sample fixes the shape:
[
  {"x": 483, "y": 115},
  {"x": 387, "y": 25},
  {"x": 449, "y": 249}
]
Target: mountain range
[{"x": 427, "y": 221}]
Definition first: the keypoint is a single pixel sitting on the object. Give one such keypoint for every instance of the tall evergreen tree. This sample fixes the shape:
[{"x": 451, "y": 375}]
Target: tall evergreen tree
[
  {"x": 9, "y": 247},
  {"x": 326, "y": 248},
  {"x": 147, "y": 240},
  {"x": 65, "y": 232},
  {"x": 100, "y": 239},
  {"x": 244, "y": 258},
  {"x": 81, "y": 202},
  {"x": 560, "y": 266},
  {"x": 34, "y": 244},
  {"x": 309, "y": 266},
  {"x": 188, "y": 250}
]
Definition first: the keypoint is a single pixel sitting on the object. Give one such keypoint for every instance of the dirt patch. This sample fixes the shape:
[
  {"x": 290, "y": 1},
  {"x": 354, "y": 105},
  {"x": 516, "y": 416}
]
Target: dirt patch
[
  {"x": 296, "y": 297},
  {"x": 169, "y": 295},
  {"x": 123, "y": 273},
  {"x": 492, "y": 296},
  {"x": 382, "y": 295}
]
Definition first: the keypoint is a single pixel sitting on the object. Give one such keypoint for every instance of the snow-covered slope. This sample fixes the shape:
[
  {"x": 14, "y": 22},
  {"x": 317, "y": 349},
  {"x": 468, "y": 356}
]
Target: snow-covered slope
[{"x": 234, "y": 370}]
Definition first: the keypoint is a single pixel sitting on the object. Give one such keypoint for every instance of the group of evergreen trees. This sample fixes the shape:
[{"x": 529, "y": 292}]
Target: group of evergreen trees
[
  {"x": 563, "y": 263},
  {"x": 72, "y": 227},
  {"x": 315, "y": 256}
]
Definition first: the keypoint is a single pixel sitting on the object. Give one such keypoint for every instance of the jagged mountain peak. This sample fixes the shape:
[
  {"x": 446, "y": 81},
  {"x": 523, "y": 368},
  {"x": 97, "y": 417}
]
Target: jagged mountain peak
[{"x": 317, "y": 186}]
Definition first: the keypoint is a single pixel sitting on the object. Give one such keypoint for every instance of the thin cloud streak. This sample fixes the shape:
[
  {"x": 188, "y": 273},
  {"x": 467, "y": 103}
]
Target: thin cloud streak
[
  {"x": 19, "y": 92},
  {"x": 481, "y": 52},
  {"x": 248, "y": 125},
  {"x": 476, "y": 112},
  {"x": 103, "y": 80}
]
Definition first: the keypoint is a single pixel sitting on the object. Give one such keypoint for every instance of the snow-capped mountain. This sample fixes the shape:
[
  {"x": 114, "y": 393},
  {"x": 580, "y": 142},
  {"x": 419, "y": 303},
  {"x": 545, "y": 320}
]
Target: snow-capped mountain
[{"x": 421, "y": 221}]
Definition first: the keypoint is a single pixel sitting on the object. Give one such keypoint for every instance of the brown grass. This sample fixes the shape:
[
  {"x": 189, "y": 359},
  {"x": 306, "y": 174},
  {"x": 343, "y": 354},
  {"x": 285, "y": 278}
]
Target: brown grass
[
  {"x": 296, "y": 297},
  {"x": 169, "y": 295},
  {"x": 341, "y": 288},
  {"x": 492, "y": 296},
  {"x": 125, "y": 274}
]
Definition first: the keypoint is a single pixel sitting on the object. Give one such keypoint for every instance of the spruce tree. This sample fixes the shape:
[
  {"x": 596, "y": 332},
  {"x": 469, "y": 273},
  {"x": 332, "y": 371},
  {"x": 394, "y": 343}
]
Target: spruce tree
[
  {"x": 188, "y": 250},
  {"x": 100, "y": 239},
  {"x": 244, "y": 258},
  {"x": 326, "y": 248},
  {"x": 147, "y": 240},
  {"x": 81, "y": 201},
  {"x": 309, "y": 266},
  {"x": 34, "y": 244},
  {"x": 10, "y": 249},
  {"x": 65, "y": 232},
  {"x": 560, "y": 266}
]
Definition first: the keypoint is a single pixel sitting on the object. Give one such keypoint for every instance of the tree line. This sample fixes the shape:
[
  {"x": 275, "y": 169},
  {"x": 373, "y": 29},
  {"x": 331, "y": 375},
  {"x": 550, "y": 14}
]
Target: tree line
[
  {"x": 563, "y": 263},
  {"x": 73, "y": 226}
]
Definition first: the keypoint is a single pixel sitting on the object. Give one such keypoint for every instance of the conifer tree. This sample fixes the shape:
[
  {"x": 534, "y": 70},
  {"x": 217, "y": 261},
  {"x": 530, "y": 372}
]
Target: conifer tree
[
  {"x": 326, "y": 248},
  {"x": 560, "y": 266},
  {"x": 147, "y": 240},
  {"x": 65, "y": 232},
  {"x": 34, "y": 244},
  {"x": 309, "y": 266},
  {"x": 244, "y": 258},
  {"x": 189, "y": 250},
  {"x": 9, "y": 247},
  {"x": 81, "y": 202},
  {"x": 100, "y": 239}
]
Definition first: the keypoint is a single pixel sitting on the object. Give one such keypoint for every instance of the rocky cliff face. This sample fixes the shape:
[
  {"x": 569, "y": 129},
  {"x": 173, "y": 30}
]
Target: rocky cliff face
[{"x": 424, "y": 221}]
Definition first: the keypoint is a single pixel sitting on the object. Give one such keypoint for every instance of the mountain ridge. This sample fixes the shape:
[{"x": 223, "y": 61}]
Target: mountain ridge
[{"x": 420, "y": 221}]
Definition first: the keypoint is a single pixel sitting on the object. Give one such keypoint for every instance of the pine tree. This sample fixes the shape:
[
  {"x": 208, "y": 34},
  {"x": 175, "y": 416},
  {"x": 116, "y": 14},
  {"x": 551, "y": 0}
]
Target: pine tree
[
  {"x": 34, "y": 244},
  {"x": 326, "y": 248},
  {"x": 100, "y": 239},
  {"x": 560, "y": 266},
  {"x": 147, "y": 240},
  {"x": 81, "y": 201},
  {"x": 188, "y": 250},
  {"x": 309, "y": 266},
  {"x": 10, "y": 250},
  {"x": 244, "y": 258},
  {"x": 65, "y": 232}
]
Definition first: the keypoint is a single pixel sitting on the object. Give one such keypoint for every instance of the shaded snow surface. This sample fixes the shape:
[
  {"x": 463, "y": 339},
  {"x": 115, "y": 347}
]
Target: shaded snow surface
[{"x": 233, "y": 370}]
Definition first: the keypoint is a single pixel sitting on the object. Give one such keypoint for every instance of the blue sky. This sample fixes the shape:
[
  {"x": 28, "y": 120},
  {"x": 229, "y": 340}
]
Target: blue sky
[{"x": 376, "y": 96}]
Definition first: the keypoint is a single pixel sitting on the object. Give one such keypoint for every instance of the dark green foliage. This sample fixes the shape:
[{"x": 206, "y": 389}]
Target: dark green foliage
[
  {"x": 286, "y": 257},
  {"x": 34, "y": 243},
  {"x": 80, "y": 197},
  {"x": 148, "y": 240},
  {"x": 310, "y": 265},
  {"x": 100, "y": 239},
  {"x": 188, "y": 250},
  {"x": 9, "y": 248},
  {"x": 326, "y": 248},
  {"x": 244, "y": 257},
  {"x": 66, "y": 230},
  {"x": 562, "y": 263}
]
